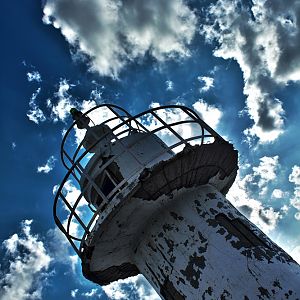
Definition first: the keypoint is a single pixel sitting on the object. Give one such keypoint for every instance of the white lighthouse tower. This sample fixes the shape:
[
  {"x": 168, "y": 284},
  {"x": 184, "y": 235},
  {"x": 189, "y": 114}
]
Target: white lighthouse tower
[{"x": 159, "y": 208}]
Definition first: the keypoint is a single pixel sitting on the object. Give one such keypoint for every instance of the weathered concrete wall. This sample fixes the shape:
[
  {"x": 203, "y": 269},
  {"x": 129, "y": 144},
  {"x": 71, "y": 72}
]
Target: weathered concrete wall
[{"x": 201, "y": 247}]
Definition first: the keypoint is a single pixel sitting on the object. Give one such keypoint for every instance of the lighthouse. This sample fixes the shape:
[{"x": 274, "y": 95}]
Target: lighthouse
[{"x": 152, "y": 200}]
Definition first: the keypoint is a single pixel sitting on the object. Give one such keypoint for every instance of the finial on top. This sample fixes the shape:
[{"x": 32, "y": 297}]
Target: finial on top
[{"x": 82, "y": 121}]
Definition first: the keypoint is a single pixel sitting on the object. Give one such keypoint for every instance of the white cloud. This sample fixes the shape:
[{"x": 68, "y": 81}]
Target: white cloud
[
  {"x": 169, "y": 85},
  {"x": 284, "y": 208},
  {"x": 61, "y": 110},
  {"x": 28, "y": 263},
  {"x": 34, "y": 76},
  {"x": 35, "y": 114},
  {"x": 48, "y": 166},
  {"x": 241, "y": 194},
  {"x": 263, "y": 37},
  {"x": 96, "y": 94},
  {"x": 262, "y": 174},
  {"x": 208, "y": 83},
  {"x": 13, "y": 145},
  {"x": 93, "y": 293},
  {"x": 133, "y": 287},
  {"x": 55, "y": 189},
  {"x": 74, "y": 293},
  {"x": 74, "y": 260},
  {"x": 63, "y": 254},
  {"x": 114, "y": 33},
  {"x": 266, "y": 170},
  {"x": 294, "y": 177},
  {"x": 210, "y": 114},
  {"x": 279, "y": 194},
  {"x": 71, "y": 193}
]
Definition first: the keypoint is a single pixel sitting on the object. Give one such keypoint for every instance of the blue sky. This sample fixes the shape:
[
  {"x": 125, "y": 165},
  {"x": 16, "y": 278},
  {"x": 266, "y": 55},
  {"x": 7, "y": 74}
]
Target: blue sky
[{"x": 235, "y": 62}]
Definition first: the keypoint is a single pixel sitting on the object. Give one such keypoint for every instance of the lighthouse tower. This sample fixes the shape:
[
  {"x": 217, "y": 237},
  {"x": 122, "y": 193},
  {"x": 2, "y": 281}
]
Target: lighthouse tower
[{"x": 145, "y": 195}]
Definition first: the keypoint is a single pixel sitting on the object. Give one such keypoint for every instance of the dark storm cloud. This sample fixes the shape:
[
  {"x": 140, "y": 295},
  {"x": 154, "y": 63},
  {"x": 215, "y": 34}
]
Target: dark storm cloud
[
  {"x": 112, "y": 32},
  {"x": 264, "y": 217},
  {"x": 266, "y": 120},
  {"x": 286, "y": 17}
]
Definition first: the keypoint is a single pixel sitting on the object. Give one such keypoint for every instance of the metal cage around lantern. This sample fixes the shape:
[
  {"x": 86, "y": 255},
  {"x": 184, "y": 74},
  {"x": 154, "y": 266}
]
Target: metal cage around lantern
[{"x": 77, "y": 217}]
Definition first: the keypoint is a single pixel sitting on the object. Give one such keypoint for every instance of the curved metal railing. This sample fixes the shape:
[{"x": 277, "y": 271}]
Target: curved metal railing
[{"x": 77, "y": 216}]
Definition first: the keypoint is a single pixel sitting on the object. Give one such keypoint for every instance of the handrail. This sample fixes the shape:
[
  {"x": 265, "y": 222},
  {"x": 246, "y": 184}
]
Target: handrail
[
  {"x": 126, "y": 121},
  {"x": 187, "y": 110}
]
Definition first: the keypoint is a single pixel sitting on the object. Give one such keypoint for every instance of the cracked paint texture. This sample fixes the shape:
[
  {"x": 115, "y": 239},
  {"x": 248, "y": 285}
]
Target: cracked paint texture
[{"x": 205, "y": 249}]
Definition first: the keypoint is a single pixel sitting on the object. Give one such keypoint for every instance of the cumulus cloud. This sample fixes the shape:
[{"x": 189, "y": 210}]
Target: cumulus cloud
[
  {"x": 35, "y": 114},
  {"x": 264, "y": 38},
  {"x": 207, "y": 83},
  {"x": 96, "y": 94},
  {"x": 136, "y": 287},
  {"x": 93, "y": 293},
  {"x": 112, "y": 33},
  {"x": 48, "y": 166},
  {"x": 265, "y": 172},
  {"x": 74, "y": 293},
  {"x": 284, "y": 208},
  {"x": 210, "y": 114},
  {"x": 265, "y": 218},
  {"x": 257, "y": 181},
  {"x": 279, "y": 194},
  {"x": 34, "y": 76},
  {"x": 61, "y": 110},
  {"x": 62, "y": 102},
  {"x": 169, "y": 85},
  {"x": 63, "y": 254},
  {"x": 294, "y": 177},
  {"x": 242, "y": 193},
  {"x": 28, "y": 262}
]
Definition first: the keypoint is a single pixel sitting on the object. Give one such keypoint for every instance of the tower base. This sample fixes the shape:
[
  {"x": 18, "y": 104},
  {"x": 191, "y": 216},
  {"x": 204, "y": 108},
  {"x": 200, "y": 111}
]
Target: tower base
[{"x": 201, "y": 247}]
